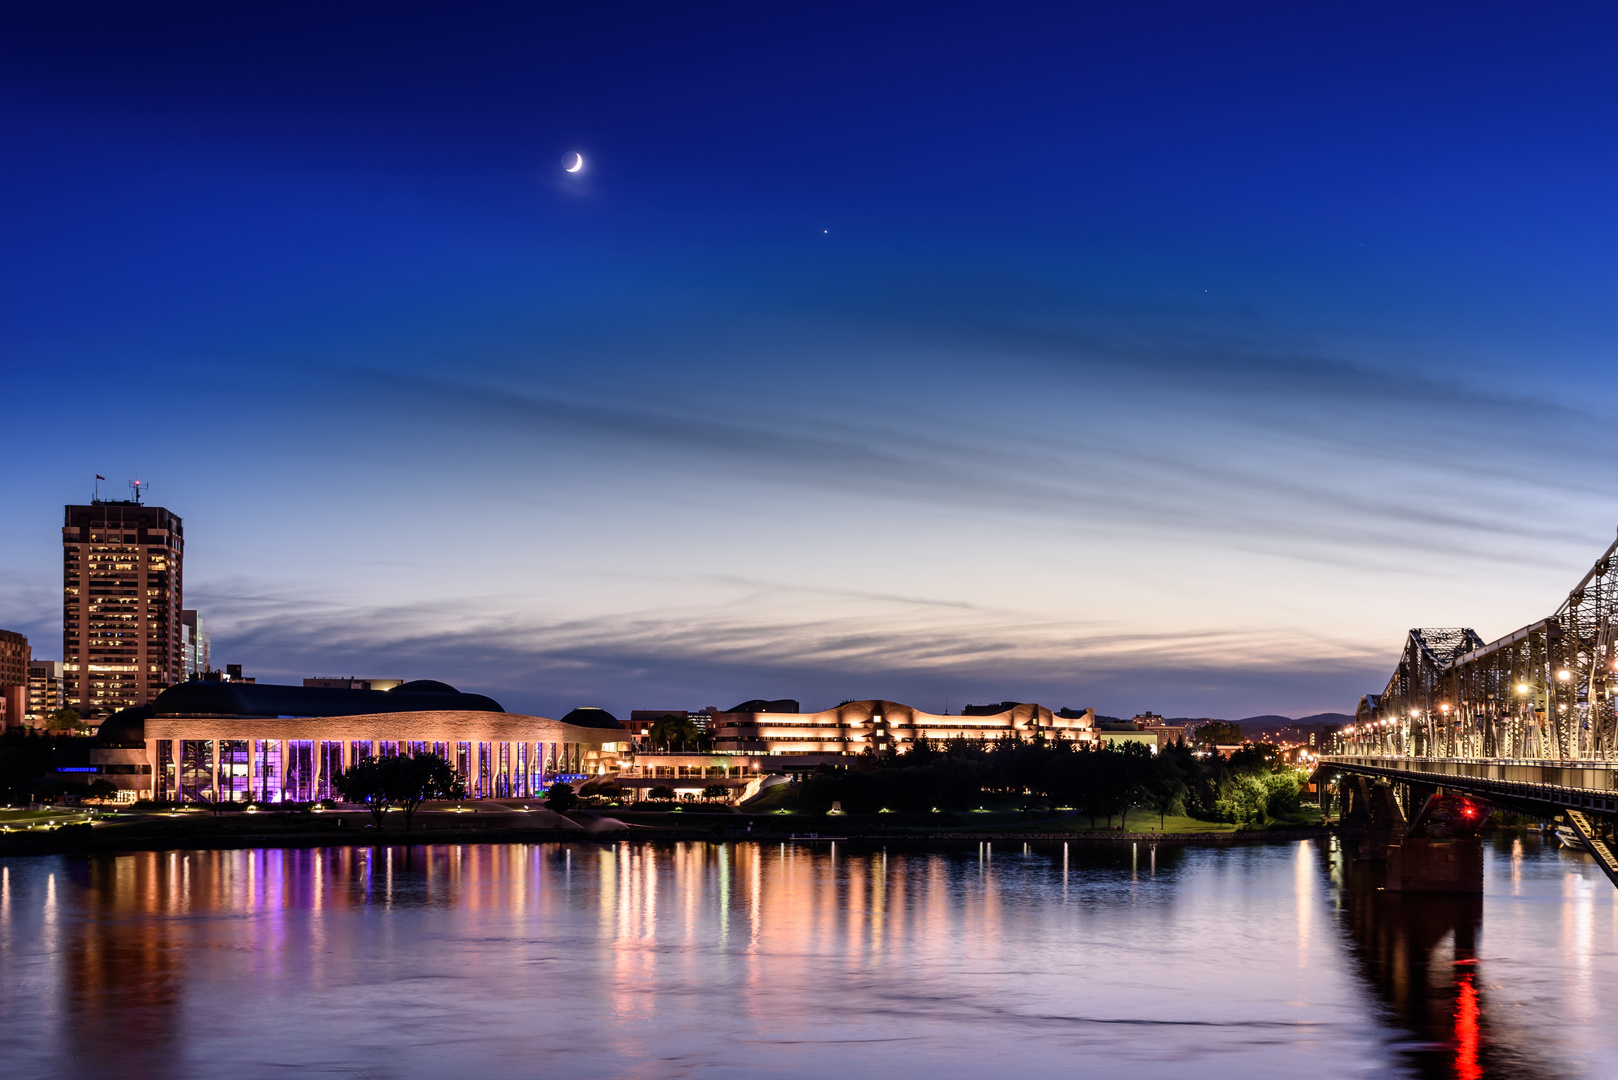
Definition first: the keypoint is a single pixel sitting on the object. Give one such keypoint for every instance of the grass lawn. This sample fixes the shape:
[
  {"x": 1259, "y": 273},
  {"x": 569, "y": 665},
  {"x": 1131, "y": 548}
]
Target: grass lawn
[
  {"x": 1142, "y": 822},
  {"x": 25, "y": 819}
]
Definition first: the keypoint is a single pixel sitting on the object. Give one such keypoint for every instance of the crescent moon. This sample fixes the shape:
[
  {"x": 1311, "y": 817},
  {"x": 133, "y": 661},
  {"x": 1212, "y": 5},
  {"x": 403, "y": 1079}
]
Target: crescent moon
[{"x": 578, "y": 162}]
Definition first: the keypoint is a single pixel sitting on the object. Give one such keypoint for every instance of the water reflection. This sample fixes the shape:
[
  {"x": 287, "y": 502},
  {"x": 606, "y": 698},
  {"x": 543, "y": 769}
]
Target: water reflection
[
  {"x": 1451, "y": 1004},
  {"x": 796, "y": 960}
]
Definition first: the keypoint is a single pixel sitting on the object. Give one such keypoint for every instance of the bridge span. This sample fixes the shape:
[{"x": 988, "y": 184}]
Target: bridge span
[
  {"x": 1582, "y": 794},
  {"x": 1525, "y": 722}
]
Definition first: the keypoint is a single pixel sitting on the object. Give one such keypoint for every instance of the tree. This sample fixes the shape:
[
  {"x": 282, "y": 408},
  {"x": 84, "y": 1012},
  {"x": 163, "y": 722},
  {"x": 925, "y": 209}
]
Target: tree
[
  {"x": 715, "y": 791},
  {"x": 363, "y": 782},
  {"x": 561, "y": 798},
  {"x": 1128, "y": 778},
  {"x": 1164, "y": 787},
  {"x": 64, "y": 720},
  {"x": 405, "y": 781},
  {"x": 410, "y": 780},
  {"x": 680, "y": 732},
  {"x": 661, "y": 793},
  {"x": 1219, "y": 731}
]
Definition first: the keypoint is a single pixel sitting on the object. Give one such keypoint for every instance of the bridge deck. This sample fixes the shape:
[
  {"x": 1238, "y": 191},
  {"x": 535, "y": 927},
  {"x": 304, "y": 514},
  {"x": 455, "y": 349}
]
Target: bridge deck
[{"x": 1590, "y": 785}]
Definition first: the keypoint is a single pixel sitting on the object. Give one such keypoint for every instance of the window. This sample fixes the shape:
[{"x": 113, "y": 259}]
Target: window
[
  {"x": 235, "y": 770},
  {"x": 167, "y": 781},
  {"x": 267, "y": 770},
  {"x": 485, "y": 771},
  {"x": 196, "y": 769},
  {"x": 300, "y": 770},
  {"x": 331, "y": 763}
]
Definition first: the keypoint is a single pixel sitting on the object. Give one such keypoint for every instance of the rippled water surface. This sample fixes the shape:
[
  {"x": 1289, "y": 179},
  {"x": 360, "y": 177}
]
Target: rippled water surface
[{"x": 799, "y": 961}]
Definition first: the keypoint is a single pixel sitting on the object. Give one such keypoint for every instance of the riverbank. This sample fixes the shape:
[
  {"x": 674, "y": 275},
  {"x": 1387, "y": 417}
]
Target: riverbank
[{"x": 47, "y": 832}]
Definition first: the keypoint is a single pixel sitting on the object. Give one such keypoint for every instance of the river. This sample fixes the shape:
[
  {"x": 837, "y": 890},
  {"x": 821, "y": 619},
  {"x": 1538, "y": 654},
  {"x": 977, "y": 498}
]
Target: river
[{"x": 771, "y": 960}]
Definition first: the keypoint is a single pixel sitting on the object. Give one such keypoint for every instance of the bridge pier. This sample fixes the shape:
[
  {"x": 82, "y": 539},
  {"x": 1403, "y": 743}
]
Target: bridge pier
[{"x": 1451, "y": 865}]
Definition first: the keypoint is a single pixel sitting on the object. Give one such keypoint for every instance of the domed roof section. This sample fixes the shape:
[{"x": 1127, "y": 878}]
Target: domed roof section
[
  {"x": 126, "y": 727},
  {"x": 268, "y": 700},
  {"x": 590, "y": 717},
  {"x": 424, "y": 686}
]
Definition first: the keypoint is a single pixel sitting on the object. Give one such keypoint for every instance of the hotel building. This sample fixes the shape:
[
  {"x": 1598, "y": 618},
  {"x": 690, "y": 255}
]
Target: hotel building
[
  {"x": 853, "y": 726},
  {"x": 121, "y": 590},
  {"x": 245, "y": 742},
  {"x": 14, "y": 659}
]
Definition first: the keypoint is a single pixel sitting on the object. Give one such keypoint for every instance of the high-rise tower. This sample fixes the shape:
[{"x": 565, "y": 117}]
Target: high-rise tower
[{"x": 120, "y": 604}]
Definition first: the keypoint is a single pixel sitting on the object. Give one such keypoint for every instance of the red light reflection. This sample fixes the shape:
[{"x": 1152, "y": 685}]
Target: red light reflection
[{"x": 1466, "y": 1031}]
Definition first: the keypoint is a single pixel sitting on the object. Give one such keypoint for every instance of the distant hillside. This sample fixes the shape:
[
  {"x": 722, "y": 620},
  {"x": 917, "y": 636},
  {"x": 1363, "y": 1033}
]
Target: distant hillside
[
  {"x": 1319, "y": 719},
  {"x": 1269, "y": 720},
  {"x": 1325, "y": 718}
]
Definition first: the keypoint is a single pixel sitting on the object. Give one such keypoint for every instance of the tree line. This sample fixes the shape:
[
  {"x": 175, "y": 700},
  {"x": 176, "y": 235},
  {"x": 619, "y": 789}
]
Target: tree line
[
  {"x": 405, "y": 781},
  {"x": 1104, "y": 782}
]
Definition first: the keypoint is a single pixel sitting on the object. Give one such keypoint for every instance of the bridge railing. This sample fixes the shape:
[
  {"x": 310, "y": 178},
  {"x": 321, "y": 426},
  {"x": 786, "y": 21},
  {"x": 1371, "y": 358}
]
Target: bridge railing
[{"x": 1527, "y": 791}]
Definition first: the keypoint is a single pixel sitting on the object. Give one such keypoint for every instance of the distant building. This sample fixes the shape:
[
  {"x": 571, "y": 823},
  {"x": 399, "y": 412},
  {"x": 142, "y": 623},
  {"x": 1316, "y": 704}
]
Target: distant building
[
  {"x": 14, "y": 657},
  {"x": 1165, "y": 733},
  {"x": 121, "y": 579},
  {"x": 641, "y": 720},
  {"x": 44, "y": 691},
  {"x": 196, "y": 645},
  {"x": 231, "y": 674},
  {"x": 351, "y": 683},
  {"x": 1117, "y": 735},
  {"x": 882, "y": 725}
]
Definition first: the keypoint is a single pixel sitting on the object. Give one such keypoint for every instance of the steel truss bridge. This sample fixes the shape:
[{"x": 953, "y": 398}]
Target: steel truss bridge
[{"x": 1525, "y": 722}]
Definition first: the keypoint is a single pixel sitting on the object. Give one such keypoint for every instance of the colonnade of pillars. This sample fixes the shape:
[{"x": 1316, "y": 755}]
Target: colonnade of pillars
[{"x": 304, "y": 770}]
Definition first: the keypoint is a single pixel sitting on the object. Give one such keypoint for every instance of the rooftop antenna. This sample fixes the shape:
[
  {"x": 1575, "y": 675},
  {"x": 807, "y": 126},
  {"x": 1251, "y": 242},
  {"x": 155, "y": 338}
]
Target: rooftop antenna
[{"x": 136, "y": 485}]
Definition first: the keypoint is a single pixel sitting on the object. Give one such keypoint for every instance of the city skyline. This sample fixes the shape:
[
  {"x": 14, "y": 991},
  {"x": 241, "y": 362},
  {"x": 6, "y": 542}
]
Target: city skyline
[{"x": 936, "y": 357}]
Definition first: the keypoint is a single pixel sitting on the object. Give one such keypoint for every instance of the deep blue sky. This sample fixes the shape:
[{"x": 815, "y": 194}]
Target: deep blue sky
[{"x": 1170, "y": 356}]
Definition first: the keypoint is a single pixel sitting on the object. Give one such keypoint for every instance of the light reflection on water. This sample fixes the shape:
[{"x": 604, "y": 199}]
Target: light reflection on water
[{"x": 647, "y": 960}]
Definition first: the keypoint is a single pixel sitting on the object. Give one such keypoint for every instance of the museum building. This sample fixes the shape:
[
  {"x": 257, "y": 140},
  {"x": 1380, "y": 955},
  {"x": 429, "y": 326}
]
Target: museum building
[
  {"x": 241, "y": 742},
  {"x": 777, "y": 727}
]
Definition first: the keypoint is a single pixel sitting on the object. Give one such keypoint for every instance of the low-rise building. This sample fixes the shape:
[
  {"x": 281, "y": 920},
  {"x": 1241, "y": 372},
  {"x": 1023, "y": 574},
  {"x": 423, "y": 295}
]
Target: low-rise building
[
  {"x": 349, "y": 682},
  {"x": 691, "y": 775},
  {"x": 641, "y": 720}
]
